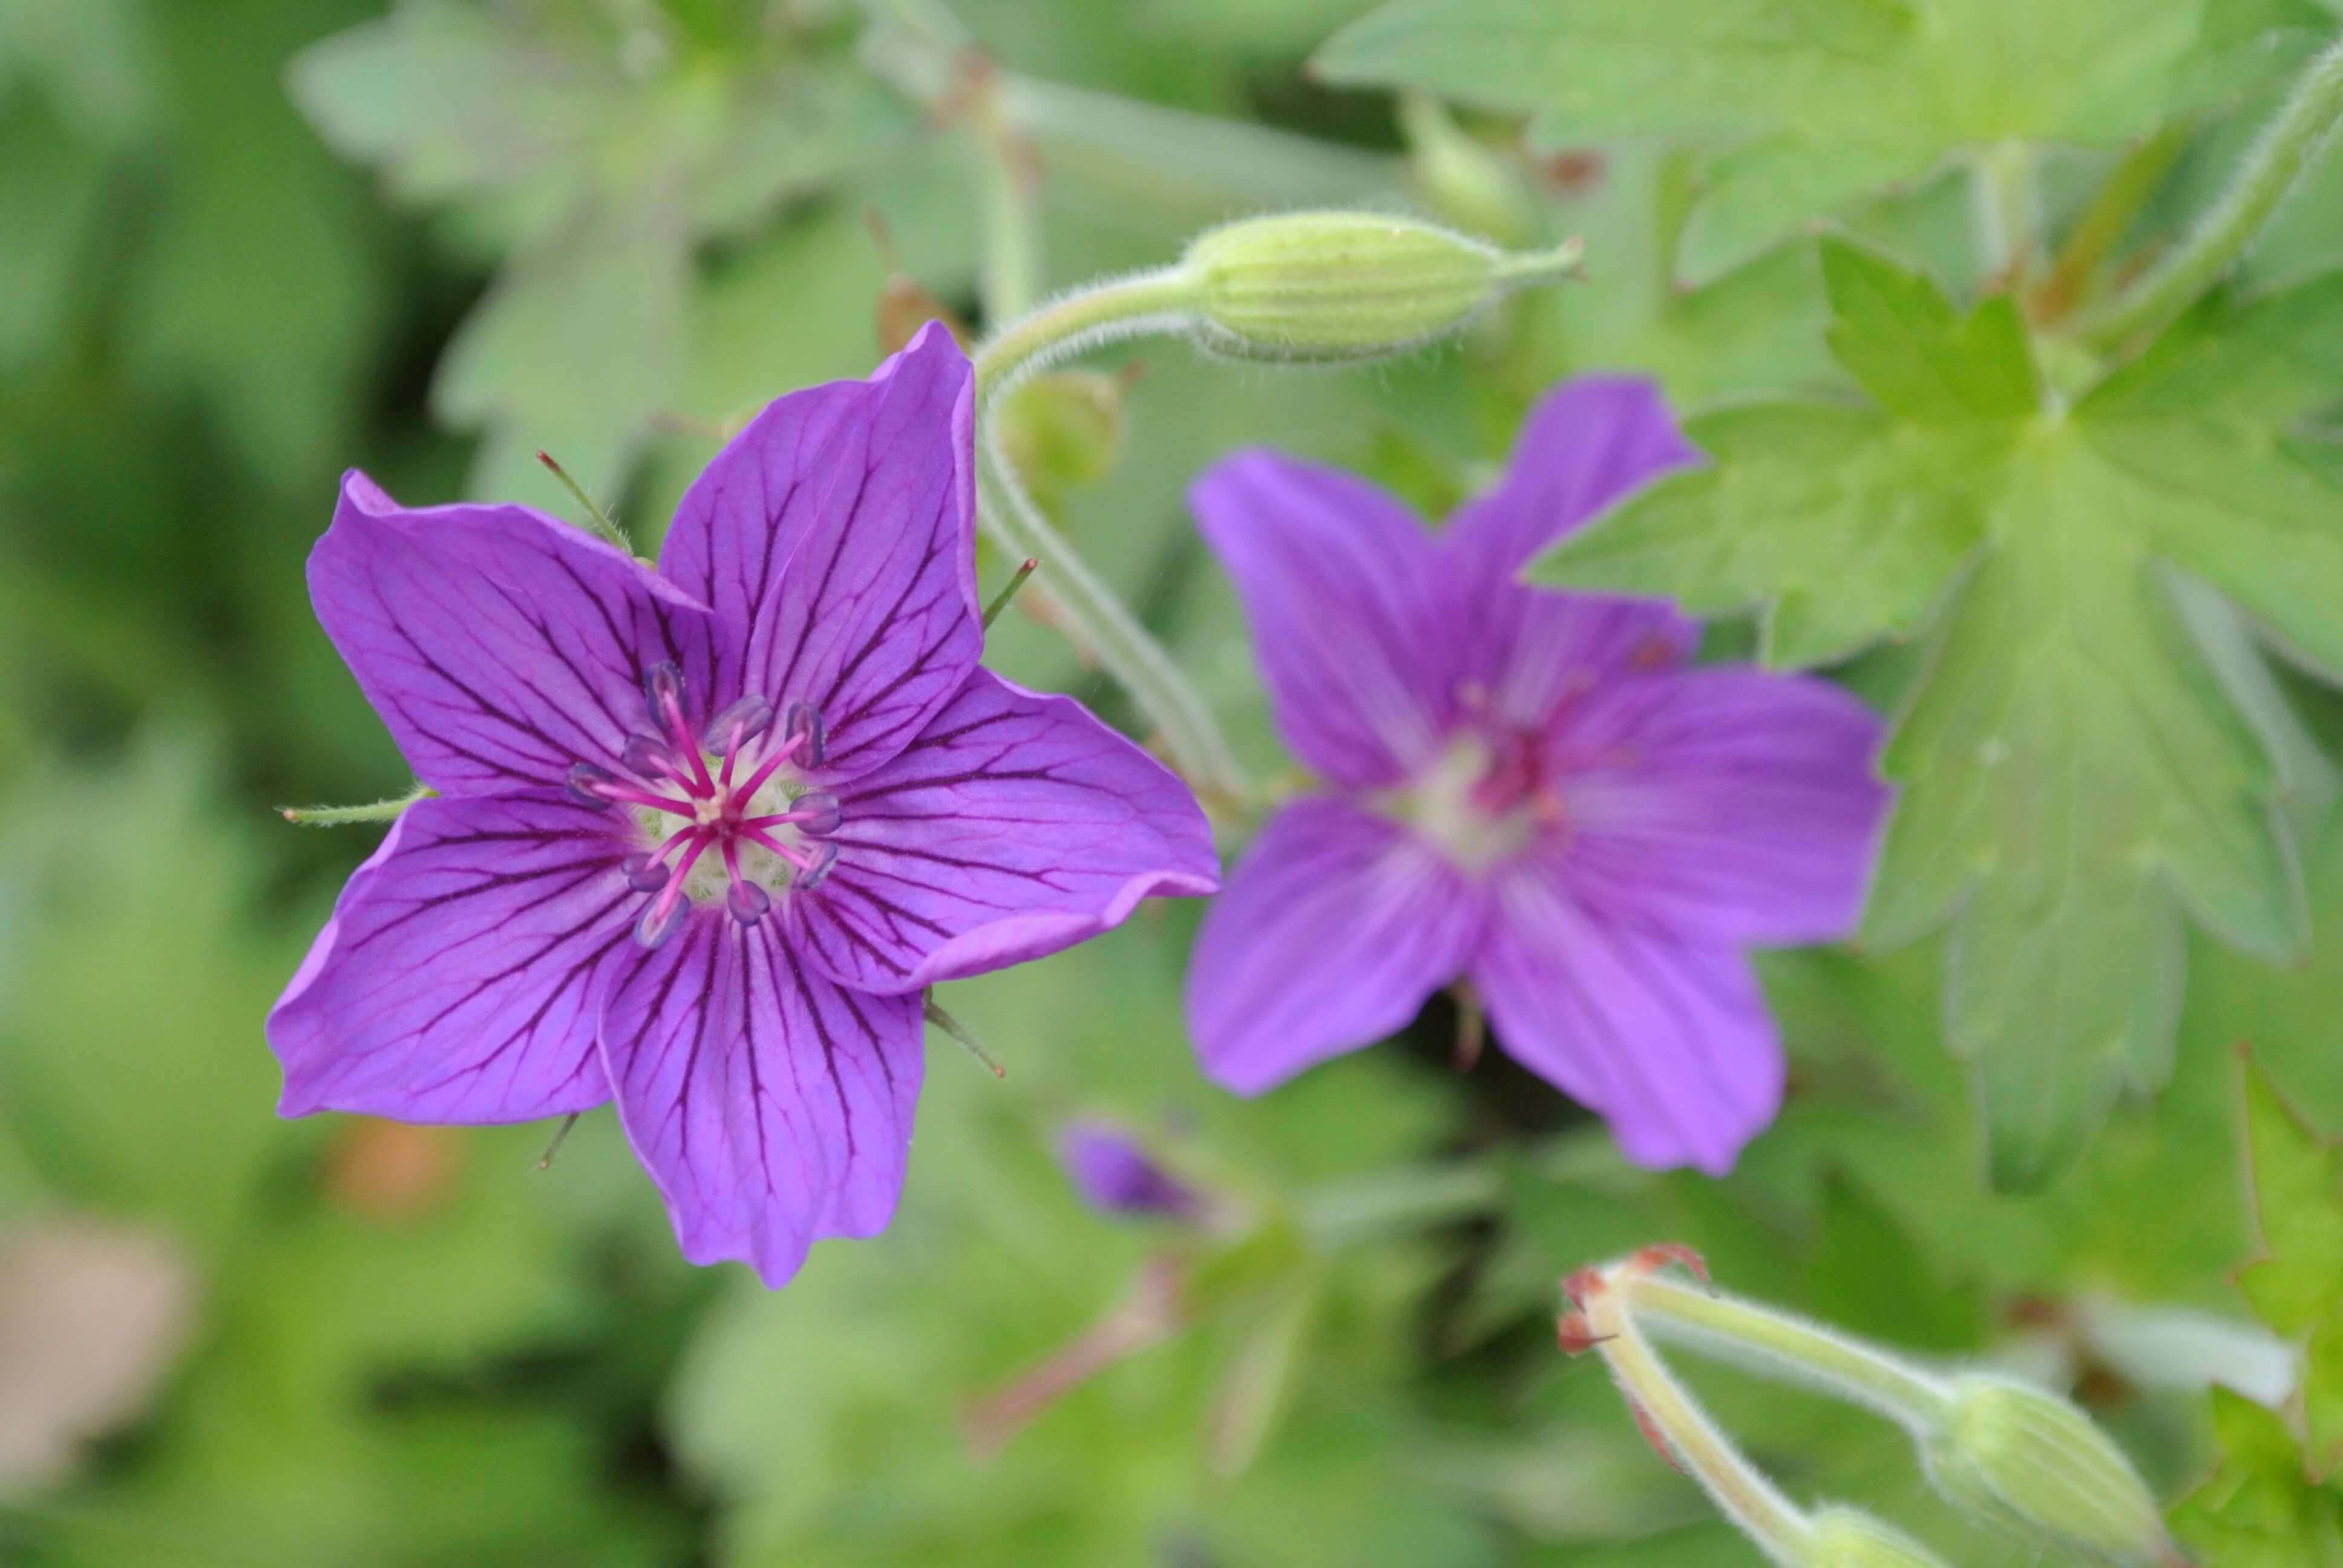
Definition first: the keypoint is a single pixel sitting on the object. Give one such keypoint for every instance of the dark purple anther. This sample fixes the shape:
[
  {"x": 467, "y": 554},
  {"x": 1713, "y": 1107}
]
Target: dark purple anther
[
  {"x": 739, "y": 723},
  {"x": 820, "y": 858},
  {"x": 802, "y": 729},
  {"x": 661, "y": 917},
  {"x": 648, "y": 756},
  {"x": 588, "y": 785},
  {"x": 817, "y": 813},
  {"x": 643, "y": 873},
  {"x": 663, "y": 690},
  {"x": 748, "y": 902},
  {"x": 1117, "y": 1176}
]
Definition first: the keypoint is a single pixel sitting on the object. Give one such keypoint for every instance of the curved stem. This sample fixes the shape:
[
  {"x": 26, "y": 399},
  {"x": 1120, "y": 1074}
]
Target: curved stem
[
  {"x": 1127, "y": 307},
  {"x": 2288, "y": 145},
  {"x": 1670, "y": 1415},
  {"x": 1130, "y": 306},
  {"x": 1738, "y": 1331}
]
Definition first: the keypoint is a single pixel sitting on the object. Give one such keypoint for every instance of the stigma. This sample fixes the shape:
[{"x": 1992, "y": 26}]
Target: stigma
[{"x": 723, "y": 816}]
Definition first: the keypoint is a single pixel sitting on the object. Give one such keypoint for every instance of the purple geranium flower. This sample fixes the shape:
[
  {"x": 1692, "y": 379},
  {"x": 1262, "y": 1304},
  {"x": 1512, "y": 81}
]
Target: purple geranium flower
[
  {"x": 1527, "y": 788},
  {"x": 704, "y": 834}
]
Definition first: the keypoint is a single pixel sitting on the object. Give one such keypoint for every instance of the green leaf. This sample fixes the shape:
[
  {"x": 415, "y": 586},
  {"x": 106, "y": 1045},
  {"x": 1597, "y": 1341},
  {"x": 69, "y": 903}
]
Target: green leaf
[
  {"x": 2075, "y": 769},
  {"x": 577, "y": 345},
  {"x": 1898, "y": 336},
  {"x": 2296, "y": 1285},
  {"x": 596, "y": 168},
  {"x": 2259, "y": 1510},
  {"x": 1824, "y": 100}
]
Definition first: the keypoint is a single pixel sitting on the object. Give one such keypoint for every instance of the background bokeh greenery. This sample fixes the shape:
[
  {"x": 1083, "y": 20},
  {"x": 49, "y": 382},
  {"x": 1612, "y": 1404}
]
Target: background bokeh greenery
[{"x": 245, "y": 244}]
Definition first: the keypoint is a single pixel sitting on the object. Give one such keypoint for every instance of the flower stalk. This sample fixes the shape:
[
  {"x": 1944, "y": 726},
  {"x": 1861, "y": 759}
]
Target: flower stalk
[
  {"x": 2289, "y": 145},
  {"x": 2003, "y": 1452},
  {"x": 1776, "y": 1343},
  {"x": 1309, "y": 287}
]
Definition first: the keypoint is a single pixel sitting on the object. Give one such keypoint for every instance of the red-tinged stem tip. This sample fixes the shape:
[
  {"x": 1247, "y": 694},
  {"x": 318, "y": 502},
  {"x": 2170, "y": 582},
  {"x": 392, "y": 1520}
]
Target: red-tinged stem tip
[
  {"x": 1576, "y": 1335},
  {"x": 1651, "y": 1259},
  {"x": 1581, "y": 1284}
]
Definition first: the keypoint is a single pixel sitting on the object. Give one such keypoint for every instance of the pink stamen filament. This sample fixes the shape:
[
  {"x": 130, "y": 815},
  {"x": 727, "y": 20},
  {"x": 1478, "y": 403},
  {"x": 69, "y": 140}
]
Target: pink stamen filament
[
  {"x": 672, "y": 840},
  {"x": 793, "y": 857},
  {"x": 684, "y": 746},
  {"x": 755, "y": 822},
  {"x": 771, "y": 765},
  {"x": 633, "y": 797},
  {"x": 668, "y": 894},
  {"x": 732, "y": 754}
]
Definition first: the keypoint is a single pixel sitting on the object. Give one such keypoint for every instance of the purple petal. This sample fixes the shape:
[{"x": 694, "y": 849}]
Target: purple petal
[
  {"x": 458, "y": 978},
  {"x": 1529, "y": 651},
  {"x": 1588, "y": 443},
  {"x": 498, "y": 645},
  {"x": 1334, "y": 929},
  {"x": 1726, "y": 805},
  {"x": 1669, "y": 1040},
  {"x": 834, "y": 538},
  {"x": 1341, "y": 586},
  {"x": 1116, "y": 1175},
  {"x": 771, "y": 1107},
  {"x": 1015, "y": 826}
]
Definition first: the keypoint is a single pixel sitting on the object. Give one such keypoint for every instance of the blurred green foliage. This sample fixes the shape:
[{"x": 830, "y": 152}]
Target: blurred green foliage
[{"x": 248, "y": 242}]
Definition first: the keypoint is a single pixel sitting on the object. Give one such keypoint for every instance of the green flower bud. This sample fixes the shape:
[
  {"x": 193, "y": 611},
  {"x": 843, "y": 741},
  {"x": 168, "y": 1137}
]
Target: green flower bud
[
  {"x": 1335, "y": 285},
  {"x": 1843, "y": 1538},
  {"x": 2010, "y": 1452}
]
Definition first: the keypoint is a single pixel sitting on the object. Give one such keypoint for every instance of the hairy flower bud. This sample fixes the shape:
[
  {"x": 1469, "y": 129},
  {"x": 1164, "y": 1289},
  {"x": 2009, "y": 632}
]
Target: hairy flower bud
[
  {"x": 1844, "y": 1538},
  {"x": 2027, "y": 1458},
  {"x": 1335, "y": 285}
]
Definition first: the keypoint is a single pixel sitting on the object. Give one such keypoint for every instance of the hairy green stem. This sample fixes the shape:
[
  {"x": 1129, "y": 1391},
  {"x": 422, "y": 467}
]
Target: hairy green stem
[
  {"x": 1742, "y": 1332},
  {"x": 1127, "y": 307},
  {"x": 2289, "y": 145},
  {"x": 1011, "y": 275},
  {"x": 1769, "y": 1519},
  {"x": 2110, "y": 214}
]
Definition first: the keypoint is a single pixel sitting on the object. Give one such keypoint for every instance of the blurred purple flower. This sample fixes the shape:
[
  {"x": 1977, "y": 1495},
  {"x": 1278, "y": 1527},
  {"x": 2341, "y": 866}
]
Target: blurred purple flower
[
  {"x": 1525, "y": 788},
  {"x": 1116, "y": 1175},
  {"x": 703, "y": 835}
]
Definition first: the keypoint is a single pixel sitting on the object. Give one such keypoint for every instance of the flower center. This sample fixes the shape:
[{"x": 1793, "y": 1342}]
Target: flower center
[
  {"x": 720, "y": 822},
  {"x": 1484, "y": 797}
]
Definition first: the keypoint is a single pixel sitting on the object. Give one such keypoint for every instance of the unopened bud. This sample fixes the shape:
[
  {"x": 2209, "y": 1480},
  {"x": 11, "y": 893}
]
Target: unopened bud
[
  {"x": 2025, "y": 1458},
  {"x": 1116, "y": 1175},
  {"x": 1062, "y": 430},
  {"x": 1468, "y": 181},
  {"x": 1335, "y": 285},
  {"x": 1845, "y": 1539}
]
